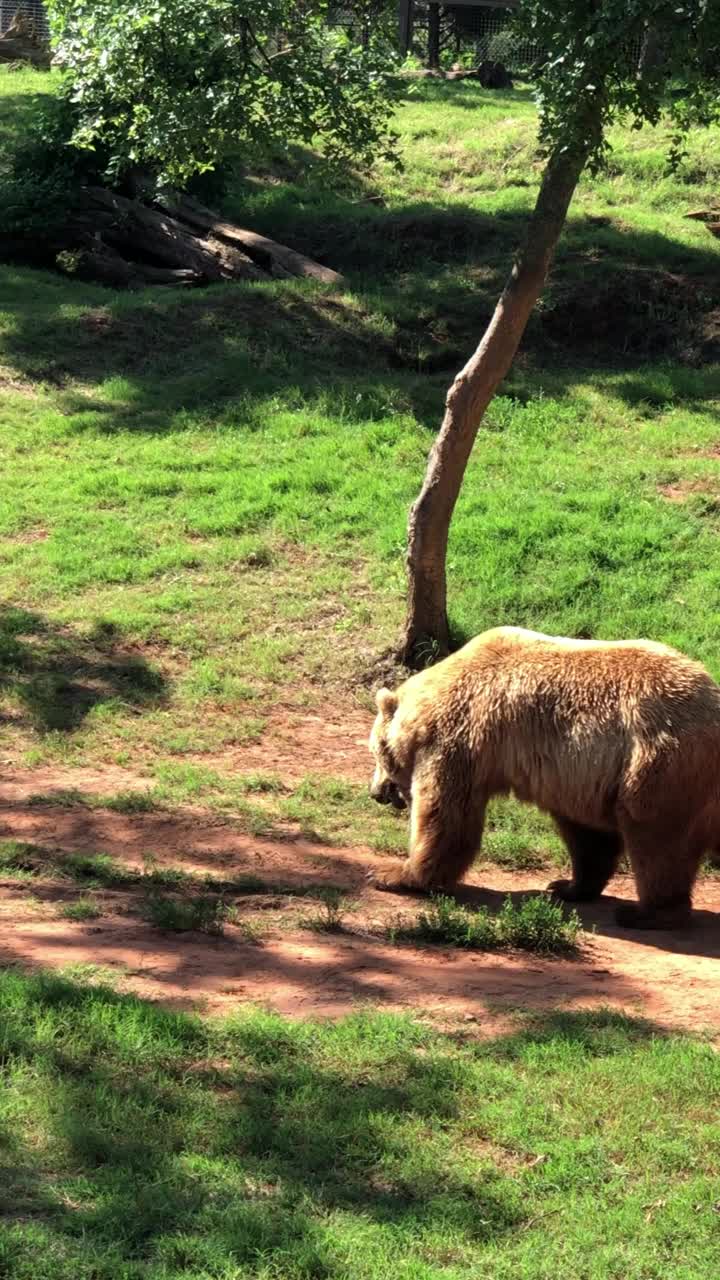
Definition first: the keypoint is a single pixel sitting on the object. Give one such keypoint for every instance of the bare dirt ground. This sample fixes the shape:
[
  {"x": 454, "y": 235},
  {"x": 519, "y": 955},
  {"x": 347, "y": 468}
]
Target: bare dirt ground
[{"x": 272, "y": 957}]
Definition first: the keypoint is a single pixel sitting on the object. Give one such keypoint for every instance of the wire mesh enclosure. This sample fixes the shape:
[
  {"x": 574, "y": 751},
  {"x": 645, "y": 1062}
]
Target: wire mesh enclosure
[
  {"x": 479, "y": 33},
  {"x": 439, "y": 35},
  {"x": 34, "y": 9}
]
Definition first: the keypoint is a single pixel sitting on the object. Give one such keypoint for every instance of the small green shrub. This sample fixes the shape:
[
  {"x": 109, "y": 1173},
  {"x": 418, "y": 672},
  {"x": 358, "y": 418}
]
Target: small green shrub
[
  {"x": 96, "y": 869},
  {"x": 537, "y": 924},
  {"x": 329, "y": 918},
  {"x": 18, "y": 861},
  {"x": 85, "y": 908},
  {"x": 42, "y": 175},
  {"x": 130, "y": 802},
  {"x": 181, "y": 915}
]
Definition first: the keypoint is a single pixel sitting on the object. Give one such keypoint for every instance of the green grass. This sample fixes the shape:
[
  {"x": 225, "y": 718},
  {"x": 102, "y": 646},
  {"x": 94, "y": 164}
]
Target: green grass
[
  {"x": 203, "y": 495},
  {"x": 85, "y": 908},
  {"x": 202, "y": 914},
  {"x": 203, "y": 499},
  {"x": 142, "y": 1144},
  {"x": 333, "y": 905},
  {"x": 536, "y": 924}
]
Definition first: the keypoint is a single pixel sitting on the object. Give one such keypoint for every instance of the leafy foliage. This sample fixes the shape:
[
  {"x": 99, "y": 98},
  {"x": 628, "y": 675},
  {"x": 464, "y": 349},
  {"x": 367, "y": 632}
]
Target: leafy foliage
[
  {"x": 205, "y": 914},
  {"x": 40, "y": 174},
  {"x": 591, "y": 57},
  {"x": 175, "y": 86}
]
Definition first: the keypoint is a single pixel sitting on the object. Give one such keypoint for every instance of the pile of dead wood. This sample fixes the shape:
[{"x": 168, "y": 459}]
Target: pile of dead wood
[
  {"x": 132, "y": 243},
  {"x": 711, "y": 218}
]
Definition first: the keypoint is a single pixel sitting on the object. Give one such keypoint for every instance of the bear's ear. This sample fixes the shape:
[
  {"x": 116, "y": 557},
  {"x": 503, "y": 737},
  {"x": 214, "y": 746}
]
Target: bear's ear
[{"x": 387, "y": 702}]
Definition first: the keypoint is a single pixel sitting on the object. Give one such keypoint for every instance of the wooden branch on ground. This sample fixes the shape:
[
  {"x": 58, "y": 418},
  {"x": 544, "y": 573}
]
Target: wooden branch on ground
[
  {"x": 130, "y": 243},
  {"x": 99, "y": 262},
  {"x": 274, "y": 258},
  {"x": 711, "y": 218},
  {"x": 155, "y": 235}
]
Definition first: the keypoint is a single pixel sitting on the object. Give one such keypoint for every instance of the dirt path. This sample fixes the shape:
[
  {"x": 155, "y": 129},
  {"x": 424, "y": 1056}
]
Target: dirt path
[{"x": 673, "y": 979}]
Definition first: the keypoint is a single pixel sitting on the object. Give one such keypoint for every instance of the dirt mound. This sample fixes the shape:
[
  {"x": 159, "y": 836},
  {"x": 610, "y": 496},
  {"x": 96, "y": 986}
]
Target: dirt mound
[{"x": 636, "y": 311}]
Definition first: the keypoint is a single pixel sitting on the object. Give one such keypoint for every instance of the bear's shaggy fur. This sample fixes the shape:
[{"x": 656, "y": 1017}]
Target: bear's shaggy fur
[{"x": 619, "y": 741}]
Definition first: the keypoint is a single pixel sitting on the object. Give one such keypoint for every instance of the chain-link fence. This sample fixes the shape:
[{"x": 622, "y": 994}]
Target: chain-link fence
[
  {"x": 477, "y": 33},
  {"x": 445, "y": 34},
  {"x": 34, "y": 9},
  {"x": 465, "y": 34}
]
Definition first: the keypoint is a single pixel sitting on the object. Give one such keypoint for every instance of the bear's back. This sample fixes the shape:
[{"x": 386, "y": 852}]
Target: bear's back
[{"x": 635, "y": 684}]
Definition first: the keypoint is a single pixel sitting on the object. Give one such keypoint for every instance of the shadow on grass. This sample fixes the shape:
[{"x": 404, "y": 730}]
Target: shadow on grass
[
  {"x": 254, "y": 1147},
  {"x": 462, "y": 93},
  {"x": 427, "y": 279},
  {"x": 64, "y": 840},
  {"x": 19, "y": 110},
  {"x": 58, "y": 677}
]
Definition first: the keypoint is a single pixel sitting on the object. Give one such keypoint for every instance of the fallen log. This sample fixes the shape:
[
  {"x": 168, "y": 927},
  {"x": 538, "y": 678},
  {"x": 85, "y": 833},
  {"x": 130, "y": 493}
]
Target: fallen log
[
  {"x": 131, "y": 243},
  {"x": 711, "y": 218},
  {"x": 99, "y": 263},
  {"x": 137, "y": 229},
  {"x": 275, "y": 258}
]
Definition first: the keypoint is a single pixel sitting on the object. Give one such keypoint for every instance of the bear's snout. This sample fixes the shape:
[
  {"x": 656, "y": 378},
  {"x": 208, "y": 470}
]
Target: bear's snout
[{"x": 386, "y": 792}]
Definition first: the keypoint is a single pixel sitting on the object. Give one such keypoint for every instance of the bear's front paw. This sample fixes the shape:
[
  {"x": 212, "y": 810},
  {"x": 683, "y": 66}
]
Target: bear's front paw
[
  {"x": 566, "y": 890},
  {"x": 391, "y": 883},
  {"x": 631, "y": 915}
]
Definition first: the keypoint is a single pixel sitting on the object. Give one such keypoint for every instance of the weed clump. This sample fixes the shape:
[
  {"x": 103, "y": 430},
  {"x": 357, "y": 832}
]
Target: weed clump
[
  {"x": 202, "y": 914},
  {"x": 537, "y": 924},
  {"x": 331, "y": 912}
]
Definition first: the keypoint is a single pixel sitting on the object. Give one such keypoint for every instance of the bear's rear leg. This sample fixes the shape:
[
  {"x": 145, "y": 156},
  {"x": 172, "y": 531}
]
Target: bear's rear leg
[
  {"x": 594, "y": 856},
  {"x": 665, "y": 865}
]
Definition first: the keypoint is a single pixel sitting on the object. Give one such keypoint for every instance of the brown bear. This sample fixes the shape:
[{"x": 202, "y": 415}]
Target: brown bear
[{"x": 618, "y": 740}]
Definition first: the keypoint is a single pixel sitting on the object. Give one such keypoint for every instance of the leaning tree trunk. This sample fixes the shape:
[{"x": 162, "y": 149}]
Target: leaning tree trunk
[{"x": 427, "y": 630}]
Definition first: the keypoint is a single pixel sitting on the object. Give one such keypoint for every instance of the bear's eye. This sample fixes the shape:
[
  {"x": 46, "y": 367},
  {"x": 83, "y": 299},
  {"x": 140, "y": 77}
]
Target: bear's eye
[{"x": 389, "y": 761}]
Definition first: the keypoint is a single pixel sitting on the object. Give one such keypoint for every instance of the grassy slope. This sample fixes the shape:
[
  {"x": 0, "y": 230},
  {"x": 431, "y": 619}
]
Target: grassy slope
[
  {"x": 204, "y": 495},
  {"x": 202, "y": 502},
  {"x": 144, "y": 1144}
]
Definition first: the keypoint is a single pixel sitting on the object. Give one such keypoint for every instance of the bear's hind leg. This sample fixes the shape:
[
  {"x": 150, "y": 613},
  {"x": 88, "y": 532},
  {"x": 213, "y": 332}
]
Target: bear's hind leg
[
  {"x": 665, "y": 865},
  {"x": 445, "y": 836},
  {"x": 594, "y": 856}
]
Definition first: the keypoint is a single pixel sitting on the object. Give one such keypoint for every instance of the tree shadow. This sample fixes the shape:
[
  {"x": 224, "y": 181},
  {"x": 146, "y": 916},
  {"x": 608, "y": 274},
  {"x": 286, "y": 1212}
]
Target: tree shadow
[
  {"x": 468, "y": 94},
  {"x": 205, "y": 1150},
  {"x": 101, "y": 847},
  {"x": 299, "y": 1142},
  {"x": 701, "y": 938},
  {"x": 618, "y": 299},
  {"x": 57, "y": 677}
]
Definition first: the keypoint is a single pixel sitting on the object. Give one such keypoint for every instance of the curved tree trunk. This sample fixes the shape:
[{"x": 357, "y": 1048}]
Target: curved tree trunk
[{"x": 427, "y": 632}]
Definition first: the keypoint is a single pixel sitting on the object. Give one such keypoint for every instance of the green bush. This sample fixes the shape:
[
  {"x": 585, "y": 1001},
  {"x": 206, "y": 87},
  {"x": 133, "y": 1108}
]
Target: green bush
[
  {"x": 40, "y": 174},
  {"x": 537, "y": 924},
  {"x": 181, "y": 915},
  {"x": 329, "y": 918},
  {"x": 85, "y": 908}
]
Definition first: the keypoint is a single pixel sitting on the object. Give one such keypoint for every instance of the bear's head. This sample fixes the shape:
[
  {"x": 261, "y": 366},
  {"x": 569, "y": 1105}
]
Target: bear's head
[{"x": 391, "y": 781}]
